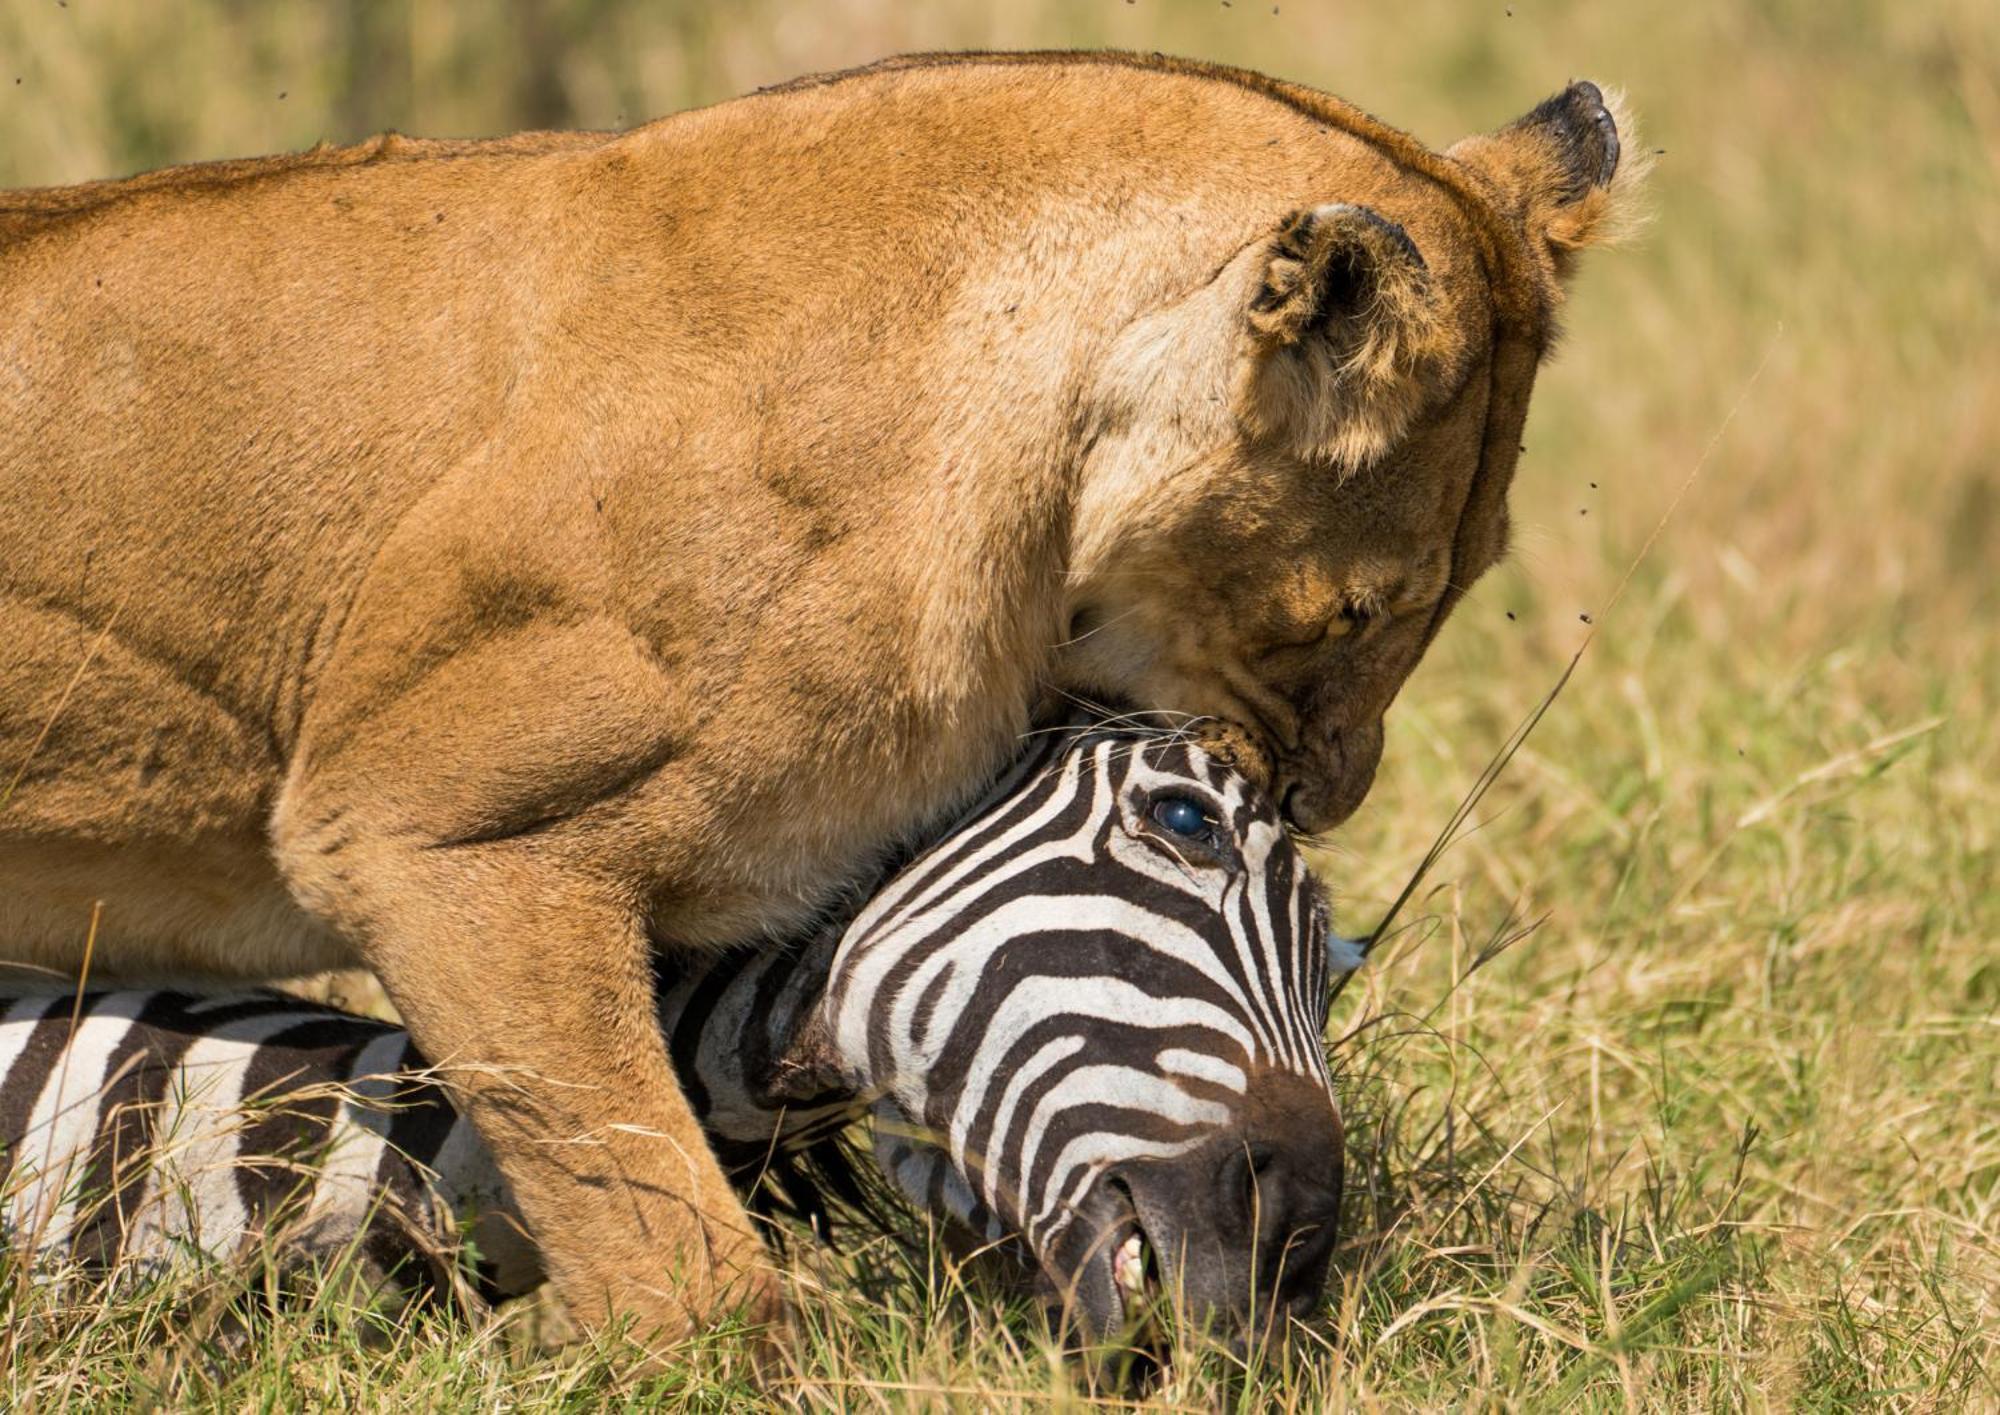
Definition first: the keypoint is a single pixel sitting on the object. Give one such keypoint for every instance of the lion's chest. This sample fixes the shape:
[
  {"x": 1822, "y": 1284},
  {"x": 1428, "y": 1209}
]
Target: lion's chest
[{"x": 782, "y": 834}]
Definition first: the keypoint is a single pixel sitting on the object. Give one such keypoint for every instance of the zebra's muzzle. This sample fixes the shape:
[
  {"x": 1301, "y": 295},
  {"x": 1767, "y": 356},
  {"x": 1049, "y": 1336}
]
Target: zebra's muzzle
[{"x": 1232, "y": 1239}]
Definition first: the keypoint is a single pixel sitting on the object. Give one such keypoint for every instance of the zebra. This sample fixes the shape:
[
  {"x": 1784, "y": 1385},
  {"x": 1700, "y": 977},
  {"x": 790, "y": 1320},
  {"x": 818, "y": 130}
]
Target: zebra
[
  {"x": 148, "y": 1131},
  {"x": 1086, "y": 1022}
]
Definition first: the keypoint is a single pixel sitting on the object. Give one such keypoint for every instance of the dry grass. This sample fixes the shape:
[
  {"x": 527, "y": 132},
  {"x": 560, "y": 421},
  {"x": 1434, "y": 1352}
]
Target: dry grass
[{"x": 1723, "y": 1129}]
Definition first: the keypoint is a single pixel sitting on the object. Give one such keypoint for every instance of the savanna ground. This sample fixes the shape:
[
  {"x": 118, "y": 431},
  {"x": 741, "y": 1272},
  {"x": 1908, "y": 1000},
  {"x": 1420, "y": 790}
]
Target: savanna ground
[{"x": 1724, "y": 1129}]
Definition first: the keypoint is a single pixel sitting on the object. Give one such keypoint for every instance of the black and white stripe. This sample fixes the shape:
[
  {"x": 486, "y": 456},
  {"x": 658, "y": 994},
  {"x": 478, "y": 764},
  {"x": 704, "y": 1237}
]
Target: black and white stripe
[
  {"x": 157, "y": 1127},
  {"x": 1064, "y": 992},
  {"x": 1059, "y": 988}
]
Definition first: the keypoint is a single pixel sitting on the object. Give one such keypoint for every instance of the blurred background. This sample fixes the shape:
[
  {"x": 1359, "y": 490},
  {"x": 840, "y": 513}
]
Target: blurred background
[{"x": 1760, "y": 824}]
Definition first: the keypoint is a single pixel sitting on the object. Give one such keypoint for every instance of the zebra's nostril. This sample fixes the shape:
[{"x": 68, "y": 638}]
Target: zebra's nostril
[{"x": 1240, "y": 1176}]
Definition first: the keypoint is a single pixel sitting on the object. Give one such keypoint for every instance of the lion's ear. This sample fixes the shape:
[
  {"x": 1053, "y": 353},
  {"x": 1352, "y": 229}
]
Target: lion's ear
[
  {"x": 1570, "y": 168},
  {"x": 1333, "y": 337}
]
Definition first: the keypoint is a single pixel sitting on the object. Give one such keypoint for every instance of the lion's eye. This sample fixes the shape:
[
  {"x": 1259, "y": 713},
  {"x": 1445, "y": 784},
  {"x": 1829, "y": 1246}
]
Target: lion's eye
[{"x": 1184, "y": 817}]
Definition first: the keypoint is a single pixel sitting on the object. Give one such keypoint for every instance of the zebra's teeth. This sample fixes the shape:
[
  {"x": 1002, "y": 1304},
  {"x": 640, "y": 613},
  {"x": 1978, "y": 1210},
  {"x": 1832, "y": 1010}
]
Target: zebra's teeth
[{"x": 1128, "y": 1266}]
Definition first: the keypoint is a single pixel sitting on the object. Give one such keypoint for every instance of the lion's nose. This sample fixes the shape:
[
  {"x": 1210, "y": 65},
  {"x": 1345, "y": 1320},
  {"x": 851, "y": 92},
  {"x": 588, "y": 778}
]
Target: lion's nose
[
  {"x": 1329, "y": 784},
  {"x": 1327, "y": 787}
]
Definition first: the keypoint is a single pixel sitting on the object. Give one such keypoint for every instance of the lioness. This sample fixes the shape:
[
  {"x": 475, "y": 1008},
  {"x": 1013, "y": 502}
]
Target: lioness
[{"x": 491, "y": 561}]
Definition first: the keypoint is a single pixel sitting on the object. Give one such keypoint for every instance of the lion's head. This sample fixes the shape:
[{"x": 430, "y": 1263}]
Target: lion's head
[{"x": 1298, "y": 468}]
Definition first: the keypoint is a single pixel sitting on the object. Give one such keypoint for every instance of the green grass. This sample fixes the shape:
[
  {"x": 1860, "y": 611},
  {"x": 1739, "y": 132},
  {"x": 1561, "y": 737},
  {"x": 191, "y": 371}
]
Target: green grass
[{"x": 1724, "y": 1128}]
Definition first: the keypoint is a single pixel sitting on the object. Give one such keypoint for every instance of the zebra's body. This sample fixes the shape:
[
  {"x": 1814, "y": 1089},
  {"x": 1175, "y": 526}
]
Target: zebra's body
[
  {"x": 153, "y": 1128},
  {"x": 1057, "y": 1004},
  {"x": 150, "y": 1127}
]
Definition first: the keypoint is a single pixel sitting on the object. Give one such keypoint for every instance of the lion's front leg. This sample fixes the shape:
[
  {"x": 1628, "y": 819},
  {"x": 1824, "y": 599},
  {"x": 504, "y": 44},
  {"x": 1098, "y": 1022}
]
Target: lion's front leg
[
  {"x": 469, "y": 830},
  {"x": 531, "y": 989}
]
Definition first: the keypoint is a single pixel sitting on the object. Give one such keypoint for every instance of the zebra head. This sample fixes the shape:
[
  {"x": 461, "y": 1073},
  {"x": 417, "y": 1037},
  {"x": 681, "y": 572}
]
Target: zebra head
[{"x": 1091, "y": 1016}]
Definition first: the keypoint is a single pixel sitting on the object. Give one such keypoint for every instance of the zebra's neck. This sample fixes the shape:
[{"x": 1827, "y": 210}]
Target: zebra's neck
[{"x": 752, "y": 1039}]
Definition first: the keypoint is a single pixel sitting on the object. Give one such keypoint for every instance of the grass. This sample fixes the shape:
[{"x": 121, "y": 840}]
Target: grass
[{"x": 1724, "y": 1128}]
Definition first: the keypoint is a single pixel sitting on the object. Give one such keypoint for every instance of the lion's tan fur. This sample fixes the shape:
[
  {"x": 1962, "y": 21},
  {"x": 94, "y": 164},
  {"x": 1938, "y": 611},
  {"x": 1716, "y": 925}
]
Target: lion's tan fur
[{"x": 481, "y": 560}]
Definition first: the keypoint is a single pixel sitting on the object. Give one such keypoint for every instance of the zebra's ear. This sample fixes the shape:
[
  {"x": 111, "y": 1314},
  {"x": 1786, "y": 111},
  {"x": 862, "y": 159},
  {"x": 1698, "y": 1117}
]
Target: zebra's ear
[{"x": 809, "y": 1067}]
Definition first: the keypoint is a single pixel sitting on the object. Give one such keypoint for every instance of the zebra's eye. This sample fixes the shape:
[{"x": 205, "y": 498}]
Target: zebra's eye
[{"x": 1184, "y": 817}]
